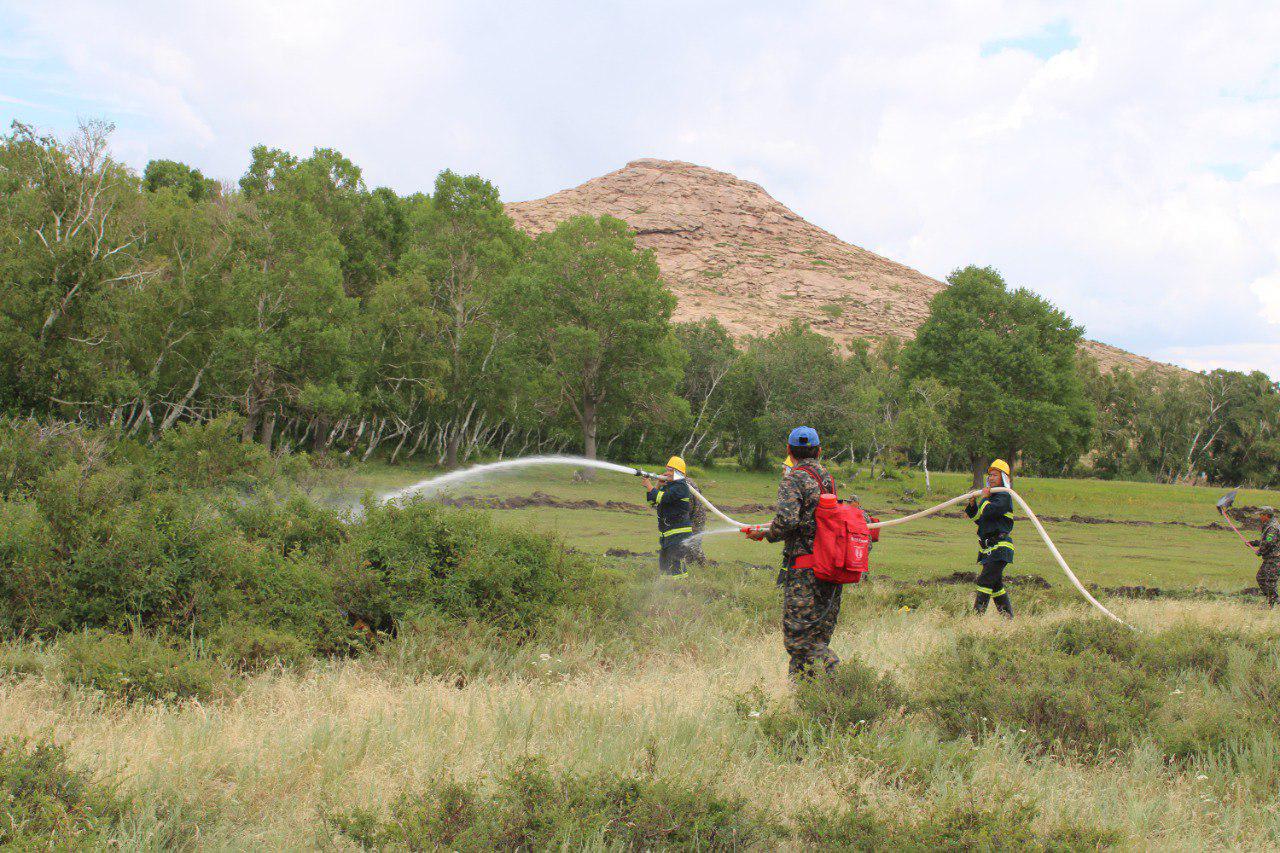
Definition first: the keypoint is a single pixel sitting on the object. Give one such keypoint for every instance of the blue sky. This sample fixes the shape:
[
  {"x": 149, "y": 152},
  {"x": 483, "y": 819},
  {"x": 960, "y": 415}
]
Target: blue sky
[{"x": 1123, "y": 160}]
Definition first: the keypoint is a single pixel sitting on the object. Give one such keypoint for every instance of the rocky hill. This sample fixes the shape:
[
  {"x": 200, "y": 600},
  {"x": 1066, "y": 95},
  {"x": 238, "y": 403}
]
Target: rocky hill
[{"x": 730, "y": 250}]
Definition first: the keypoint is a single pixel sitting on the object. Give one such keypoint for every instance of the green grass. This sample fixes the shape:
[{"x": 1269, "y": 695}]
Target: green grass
[{"x": 1158, "y": 555}]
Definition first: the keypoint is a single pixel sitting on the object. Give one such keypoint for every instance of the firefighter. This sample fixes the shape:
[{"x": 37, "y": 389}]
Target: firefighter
[
  {"x": 810, "y": 607},
  {"x": 993, "y": 513},
  {"x": 674, "y": 502},
  {"x": 1268, "y": 547}
]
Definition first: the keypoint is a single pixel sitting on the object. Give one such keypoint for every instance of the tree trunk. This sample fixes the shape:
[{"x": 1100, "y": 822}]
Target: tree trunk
[
  {"x": 268, "y": 430},
  {"x": 451, "y": 448},
  {"x": 979, "y": 469},
  {"x": 589, "y": 430},
  {"x": 924, "y": 463},
  {"x": 251, "y": 421}
]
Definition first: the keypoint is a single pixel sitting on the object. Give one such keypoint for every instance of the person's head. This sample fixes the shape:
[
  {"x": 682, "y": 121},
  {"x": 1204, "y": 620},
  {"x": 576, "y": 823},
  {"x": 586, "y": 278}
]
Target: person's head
[
  {"x": 998, "y": 474},
  {"x": 675, "y": 466},
  {"x": 1267, "y": 513},
  {"x": 803, "y": 443}
]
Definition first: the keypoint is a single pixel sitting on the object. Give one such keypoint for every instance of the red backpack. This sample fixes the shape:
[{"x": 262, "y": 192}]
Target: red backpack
[{"x": 842, "y": 544}]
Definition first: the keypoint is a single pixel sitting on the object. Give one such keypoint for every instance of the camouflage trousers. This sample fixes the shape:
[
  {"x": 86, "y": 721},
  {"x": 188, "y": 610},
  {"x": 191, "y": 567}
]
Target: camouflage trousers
[
  {"x": 1267, "y": 575},
  {"x": 810, "y": 608}
]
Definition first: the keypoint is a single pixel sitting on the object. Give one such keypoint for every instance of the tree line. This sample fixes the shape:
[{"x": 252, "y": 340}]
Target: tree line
[{"x": 357, "y": 321}]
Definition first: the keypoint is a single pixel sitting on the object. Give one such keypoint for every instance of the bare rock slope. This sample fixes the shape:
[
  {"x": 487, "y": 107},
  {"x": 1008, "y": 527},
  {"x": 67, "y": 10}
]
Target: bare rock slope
[{"x": 730, "y": 250}]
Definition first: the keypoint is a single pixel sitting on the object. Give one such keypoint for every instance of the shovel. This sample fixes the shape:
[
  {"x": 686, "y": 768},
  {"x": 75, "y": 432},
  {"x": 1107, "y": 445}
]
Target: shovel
[{"x": 1225, "y": 504}]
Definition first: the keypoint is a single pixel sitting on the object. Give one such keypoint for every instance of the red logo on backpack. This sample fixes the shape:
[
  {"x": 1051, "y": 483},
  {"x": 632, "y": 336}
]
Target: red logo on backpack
[{"x": 842, "y": 544}]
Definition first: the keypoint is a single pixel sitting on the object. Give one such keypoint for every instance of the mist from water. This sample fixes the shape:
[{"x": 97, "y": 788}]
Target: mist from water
[{"x": 432, "y": 485}]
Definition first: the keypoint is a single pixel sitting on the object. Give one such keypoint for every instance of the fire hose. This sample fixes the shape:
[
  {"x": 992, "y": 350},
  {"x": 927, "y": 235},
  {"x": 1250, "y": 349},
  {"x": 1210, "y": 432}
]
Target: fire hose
[{"x": 1053, "y": 549}]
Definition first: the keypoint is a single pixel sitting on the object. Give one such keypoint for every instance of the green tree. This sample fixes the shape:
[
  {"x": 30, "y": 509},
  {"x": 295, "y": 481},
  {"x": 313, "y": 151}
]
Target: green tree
[
  {"x": 923, "y": 422},
  {"x": 791, "y": 377},
  {"x": 710, "y": 356},
  {"x": 1009, "y": 357},
  {"x": 170, "y": 174},
  {"x": 69, "y": 233},
  {"x": 463, "y": 248},
  {"x": 597, "y": 323}
]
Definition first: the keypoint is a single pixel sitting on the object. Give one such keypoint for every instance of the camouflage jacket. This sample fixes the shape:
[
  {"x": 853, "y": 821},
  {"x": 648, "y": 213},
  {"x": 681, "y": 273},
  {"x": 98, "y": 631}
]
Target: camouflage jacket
[
  {"x": 697, "y": 509},
  {"x": 1269, "y": 542},
  {"x": 793, "y": 523}
]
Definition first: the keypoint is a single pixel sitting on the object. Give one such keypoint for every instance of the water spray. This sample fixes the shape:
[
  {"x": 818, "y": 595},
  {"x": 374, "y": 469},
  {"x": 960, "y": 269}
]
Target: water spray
[{"x": 434, "y": 484}]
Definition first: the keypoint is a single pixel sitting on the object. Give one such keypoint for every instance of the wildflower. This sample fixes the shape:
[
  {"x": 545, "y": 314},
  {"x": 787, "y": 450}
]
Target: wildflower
[
  {"x": 754, "y": 714},
  {"x": 1177, "y": 692},
  {"x": 544, "y": 656},
  {"x": 1201, "y": 777}
]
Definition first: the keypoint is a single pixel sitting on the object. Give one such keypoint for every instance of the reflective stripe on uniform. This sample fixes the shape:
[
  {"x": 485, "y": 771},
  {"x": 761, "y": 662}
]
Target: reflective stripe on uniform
[
  {"x": 991, "y": 592},
  {"x": 978, "y": 513},
  {"x": 1008, "y": 545},
  {"x": 987, "y": 591},
  {"x": 676, "y": 530}
]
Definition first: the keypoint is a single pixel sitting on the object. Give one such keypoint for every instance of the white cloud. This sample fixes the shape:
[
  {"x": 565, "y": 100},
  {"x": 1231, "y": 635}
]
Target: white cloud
[
  {"x": 1096, "y": 176},
  {"x": 1246, "y": 357}
]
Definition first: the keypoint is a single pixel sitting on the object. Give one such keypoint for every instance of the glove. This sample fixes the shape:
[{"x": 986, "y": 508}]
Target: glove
[{"x": 754, "y": 533}]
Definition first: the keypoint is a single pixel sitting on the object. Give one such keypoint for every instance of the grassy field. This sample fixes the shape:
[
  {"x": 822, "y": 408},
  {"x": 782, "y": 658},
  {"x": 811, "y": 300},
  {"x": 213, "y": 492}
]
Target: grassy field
[
  {"x": 1161, "y": 739},
  {"x": 1156, "y": 537}
]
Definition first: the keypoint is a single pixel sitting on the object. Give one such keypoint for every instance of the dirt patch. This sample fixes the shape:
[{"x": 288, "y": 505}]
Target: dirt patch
[
  {"x": 623, "y": 552},
  {"x": 1091, "y": 519},
  {"x": 543, "y": 500},
  {"x": 1030, "y": 581}
]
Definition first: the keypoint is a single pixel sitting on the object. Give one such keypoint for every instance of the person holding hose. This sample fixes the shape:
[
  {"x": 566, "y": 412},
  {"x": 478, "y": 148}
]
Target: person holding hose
[
  {"x": 993, "y": 513},
  {"x": 1268, "y": 548},
  {"x": 810, "y": 607},
  {"x": 674, "y": 502}
]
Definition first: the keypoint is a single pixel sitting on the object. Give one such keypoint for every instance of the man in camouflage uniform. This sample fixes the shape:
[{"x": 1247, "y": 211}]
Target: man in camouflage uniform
[
  {"x": 1268, "y": 547},
  {"x": 698, "y": 515},
  {"x": 810, "y": 607}
]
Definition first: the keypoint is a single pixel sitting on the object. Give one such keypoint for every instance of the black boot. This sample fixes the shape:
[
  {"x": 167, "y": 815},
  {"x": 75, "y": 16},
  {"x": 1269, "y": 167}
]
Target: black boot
[
  {"x": 980, "y": 601},
  {"x": 1003, "y": 606}
]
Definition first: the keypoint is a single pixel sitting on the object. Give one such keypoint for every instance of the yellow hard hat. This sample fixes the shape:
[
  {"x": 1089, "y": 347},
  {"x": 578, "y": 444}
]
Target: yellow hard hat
[
  {"x": 1000, "y": 465},
  {"x": 677, "y": 463}
]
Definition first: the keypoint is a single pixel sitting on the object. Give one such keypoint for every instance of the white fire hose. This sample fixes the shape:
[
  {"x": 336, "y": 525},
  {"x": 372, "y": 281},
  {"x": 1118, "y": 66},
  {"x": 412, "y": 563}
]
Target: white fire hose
[{"x": 1053, "y": 549}]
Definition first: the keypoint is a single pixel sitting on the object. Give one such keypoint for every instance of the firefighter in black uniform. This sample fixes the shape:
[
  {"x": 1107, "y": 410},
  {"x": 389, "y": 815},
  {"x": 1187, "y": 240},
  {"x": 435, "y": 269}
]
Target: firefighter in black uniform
[
  {"x": 674, "y": 502},
  {"x": 993, "y": 513}
]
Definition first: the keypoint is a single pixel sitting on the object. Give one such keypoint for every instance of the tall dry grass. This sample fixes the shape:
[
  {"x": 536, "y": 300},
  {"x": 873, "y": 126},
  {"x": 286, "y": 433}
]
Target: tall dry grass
[{"x": 257, "y": 770}]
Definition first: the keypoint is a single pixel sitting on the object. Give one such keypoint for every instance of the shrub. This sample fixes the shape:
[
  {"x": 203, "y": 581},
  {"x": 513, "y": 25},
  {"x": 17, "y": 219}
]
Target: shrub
[
  {"x": 30, "y": 582},
  {"x": 424, "y": 558},
  {"x": 851, "y": 696},
  {"x": 1005, "y": 824},
  {"x": 138, "y": 668},
  {"x": 1085, "y": 700},
  {"x": 288, "y": 525},
  {"x": 250, "y": 648},
  {"x": 202, "y": 455},
  {"x": 535, "y": 809},
  {"x": 44, "y": 804}
]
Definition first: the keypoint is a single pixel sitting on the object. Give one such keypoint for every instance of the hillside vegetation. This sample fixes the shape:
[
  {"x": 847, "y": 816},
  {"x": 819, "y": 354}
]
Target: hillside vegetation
[{"x": 207, "y": 650}]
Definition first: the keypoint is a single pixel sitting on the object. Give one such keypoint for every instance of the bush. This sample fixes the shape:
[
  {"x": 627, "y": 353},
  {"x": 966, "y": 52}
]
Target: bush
[
  {"x": 853, "y": 695},
  {"x": 202, "y": 455},
  {"x": 534, "y": 809},
  {"x": 424, "y": 558},
  {"x": 1085, "y": 699},
  {"x": 1006, "y": 824},
  {"x": 251, "y": 648},
  {"x": 30, "y": 582},
  {"x": 46, "y": 805},
  {"x": 138, "y": 668}
]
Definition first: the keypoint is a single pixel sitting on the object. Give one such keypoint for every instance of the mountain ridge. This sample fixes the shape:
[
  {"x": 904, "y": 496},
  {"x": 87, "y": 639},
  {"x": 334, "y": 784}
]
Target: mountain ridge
[{"x": 729, "y": 250}]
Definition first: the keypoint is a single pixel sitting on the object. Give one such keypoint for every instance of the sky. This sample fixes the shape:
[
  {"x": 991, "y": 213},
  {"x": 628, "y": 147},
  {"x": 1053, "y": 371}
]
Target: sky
[{"x": 1123, "y": 160}]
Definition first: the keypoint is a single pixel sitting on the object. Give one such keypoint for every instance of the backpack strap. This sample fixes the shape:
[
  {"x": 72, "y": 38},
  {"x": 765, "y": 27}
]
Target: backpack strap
[{"x": 822, "y": 487}]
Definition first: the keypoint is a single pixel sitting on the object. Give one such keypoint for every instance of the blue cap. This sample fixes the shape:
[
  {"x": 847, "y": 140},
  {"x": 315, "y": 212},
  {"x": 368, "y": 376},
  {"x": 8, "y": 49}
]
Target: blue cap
[{"x": 803, "y": 437}]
